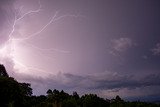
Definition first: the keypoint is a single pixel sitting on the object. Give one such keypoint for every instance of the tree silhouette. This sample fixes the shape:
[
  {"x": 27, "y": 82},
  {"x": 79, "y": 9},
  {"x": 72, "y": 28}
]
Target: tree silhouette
[
  {"x": 12, "y": 93},
  {"x": 75, "y": 95},
  {"x": 26, "y": 89},
  {"x": 49, "y": 92},
  {"x": 3, "y": 71}
]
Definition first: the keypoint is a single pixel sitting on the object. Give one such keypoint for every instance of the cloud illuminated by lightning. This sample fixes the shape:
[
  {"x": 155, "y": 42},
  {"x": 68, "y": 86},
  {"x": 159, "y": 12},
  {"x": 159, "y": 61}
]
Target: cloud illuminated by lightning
[{"x": 8, "y": 50}]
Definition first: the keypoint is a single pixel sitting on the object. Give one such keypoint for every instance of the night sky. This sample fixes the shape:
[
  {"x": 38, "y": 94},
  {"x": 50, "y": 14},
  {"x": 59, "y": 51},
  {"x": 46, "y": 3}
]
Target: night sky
[{"x": 107, "y": 47}]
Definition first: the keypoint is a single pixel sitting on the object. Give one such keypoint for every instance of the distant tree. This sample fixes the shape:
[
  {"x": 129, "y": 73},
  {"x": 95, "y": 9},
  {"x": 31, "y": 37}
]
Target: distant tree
[
  {"x": 75, "y": 95},
  {"x": 63, "y": 95},
  {"x": 56, "y": 96},
  {"x": 118, "y": 99},
  {"x": 117, "y": 102},
  {"x": 53, "y": 97},
  {"x": 49, "y": 92}
]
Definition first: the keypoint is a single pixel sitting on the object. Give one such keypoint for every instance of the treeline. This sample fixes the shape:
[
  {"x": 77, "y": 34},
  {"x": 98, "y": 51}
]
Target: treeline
[{"x": 15, "y": 94}]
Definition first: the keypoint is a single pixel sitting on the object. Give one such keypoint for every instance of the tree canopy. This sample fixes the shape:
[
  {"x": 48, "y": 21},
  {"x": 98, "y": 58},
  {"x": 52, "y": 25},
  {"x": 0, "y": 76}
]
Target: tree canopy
[{"x": 11, "y": 91}]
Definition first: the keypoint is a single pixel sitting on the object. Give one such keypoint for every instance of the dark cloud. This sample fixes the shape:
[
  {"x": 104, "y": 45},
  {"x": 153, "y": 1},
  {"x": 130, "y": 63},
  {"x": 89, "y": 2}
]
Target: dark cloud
[
  {"x": 113, "y": 81},
  {"x": 130, "y": 82},
  {"x": 105, "y": 81}
]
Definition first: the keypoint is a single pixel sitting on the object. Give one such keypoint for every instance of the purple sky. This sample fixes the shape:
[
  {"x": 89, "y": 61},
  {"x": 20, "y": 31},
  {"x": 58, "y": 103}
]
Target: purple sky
[{"x": 107, "y": 47}]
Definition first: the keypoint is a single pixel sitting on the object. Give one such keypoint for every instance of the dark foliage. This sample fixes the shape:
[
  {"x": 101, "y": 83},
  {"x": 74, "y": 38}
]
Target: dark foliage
[
  {"x": 3, "y": 71},
  {"x": 12, "y": 93}
]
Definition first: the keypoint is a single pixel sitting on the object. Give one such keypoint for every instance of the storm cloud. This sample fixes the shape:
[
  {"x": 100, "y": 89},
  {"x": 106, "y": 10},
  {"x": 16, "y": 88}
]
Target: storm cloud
[{"x": 102, "y": 46}]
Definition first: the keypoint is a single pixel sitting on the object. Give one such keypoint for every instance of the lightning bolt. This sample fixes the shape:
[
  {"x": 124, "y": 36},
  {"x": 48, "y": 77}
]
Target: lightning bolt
[
  {"x": 53, "y": 19},
  {"x": 10, "y": 44},
  {"x": 16, "y": 19}
]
